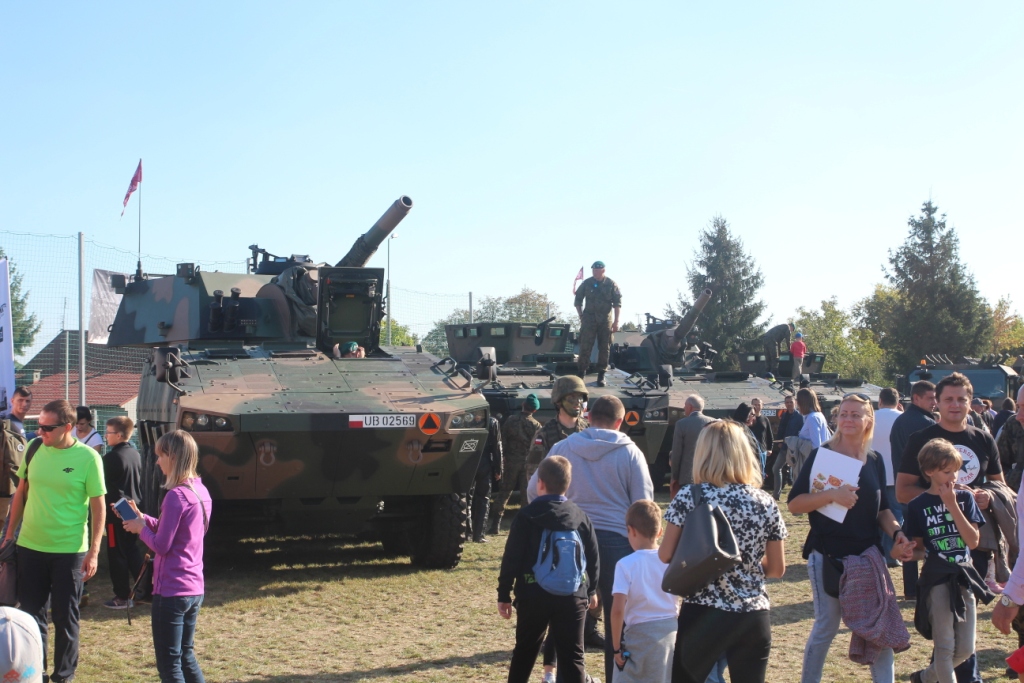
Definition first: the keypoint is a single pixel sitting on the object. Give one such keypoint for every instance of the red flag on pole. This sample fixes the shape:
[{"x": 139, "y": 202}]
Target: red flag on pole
[
  {"x": 136, "y": 179},
  {"x": 579, "y": 278}
]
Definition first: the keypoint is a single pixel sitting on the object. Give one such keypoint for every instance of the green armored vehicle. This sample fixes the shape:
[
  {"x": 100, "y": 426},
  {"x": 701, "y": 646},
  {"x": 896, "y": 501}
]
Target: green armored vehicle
[
  {"x": 288, "y": 430},
  {"x": 993, "y": 376},
  {"x": 509, "y": 361},
  {"x": 670, "y": 355}
]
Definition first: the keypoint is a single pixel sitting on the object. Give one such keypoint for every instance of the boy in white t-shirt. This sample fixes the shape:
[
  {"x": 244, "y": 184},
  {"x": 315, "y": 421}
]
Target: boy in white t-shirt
[{"x": 643, "y": 650}]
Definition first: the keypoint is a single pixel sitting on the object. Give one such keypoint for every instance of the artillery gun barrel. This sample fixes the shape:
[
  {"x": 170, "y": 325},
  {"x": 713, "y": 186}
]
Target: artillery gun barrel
[
  {"x": 366, "y": 244},
  {"x": 690, "y": 319}
]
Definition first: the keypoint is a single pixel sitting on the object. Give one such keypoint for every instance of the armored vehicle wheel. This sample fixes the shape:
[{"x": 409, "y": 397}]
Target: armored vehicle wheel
[
  {"x": 659, "y": 470},
  {"x": 443, "y": 532}
]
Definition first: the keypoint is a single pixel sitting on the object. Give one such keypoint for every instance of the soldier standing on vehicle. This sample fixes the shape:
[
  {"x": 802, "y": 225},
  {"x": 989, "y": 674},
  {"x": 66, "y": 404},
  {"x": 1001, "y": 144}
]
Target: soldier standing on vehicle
[
  {"x": 776, "y": 340},
  {"x": 603, "y": 300},
  {"x": 517, "y": 435}
]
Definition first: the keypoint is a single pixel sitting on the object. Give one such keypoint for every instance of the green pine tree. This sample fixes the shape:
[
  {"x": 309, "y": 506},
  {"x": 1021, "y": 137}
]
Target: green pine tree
[
  {"x": 729, "y": 322},
  {"x": 934, "y": 306}
]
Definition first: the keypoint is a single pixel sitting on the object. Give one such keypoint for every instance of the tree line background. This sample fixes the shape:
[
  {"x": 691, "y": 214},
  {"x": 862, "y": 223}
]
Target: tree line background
[{"x": 926, "y": 302}]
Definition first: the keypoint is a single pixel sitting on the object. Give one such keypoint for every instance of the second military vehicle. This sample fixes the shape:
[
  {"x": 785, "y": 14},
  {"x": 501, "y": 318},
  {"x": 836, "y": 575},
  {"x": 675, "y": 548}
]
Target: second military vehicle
[
  {"x": 993, "y": 376},
  {"x": 288, "y": 431}
]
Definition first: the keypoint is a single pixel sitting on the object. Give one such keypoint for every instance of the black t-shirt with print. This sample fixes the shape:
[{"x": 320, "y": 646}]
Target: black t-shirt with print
[
  {"x": 859, "y": 530},
  {"x": 928, "y": 519},
  {"x": 976, "y": 447}
]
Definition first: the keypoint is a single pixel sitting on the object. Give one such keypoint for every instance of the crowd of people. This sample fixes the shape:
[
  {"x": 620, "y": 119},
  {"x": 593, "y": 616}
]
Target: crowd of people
[
  {"x": 882, "y": 488},
  {"x": 58, "y": 528}
]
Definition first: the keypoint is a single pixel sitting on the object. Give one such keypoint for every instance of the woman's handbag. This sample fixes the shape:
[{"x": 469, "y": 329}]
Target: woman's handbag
[{"x": 707, "y": 549}]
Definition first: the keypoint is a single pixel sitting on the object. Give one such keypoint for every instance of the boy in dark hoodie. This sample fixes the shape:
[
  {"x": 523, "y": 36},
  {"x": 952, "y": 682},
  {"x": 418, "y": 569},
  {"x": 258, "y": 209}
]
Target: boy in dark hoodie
[{"x": 536, "y": 608}]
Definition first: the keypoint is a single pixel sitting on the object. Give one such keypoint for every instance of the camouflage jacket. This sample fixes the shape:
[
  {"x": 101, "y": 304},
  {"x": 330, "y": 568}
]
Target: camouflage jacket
[
  {"x": 601, "y": 297},
  {"x": 517, "y": 435},
  {"x": 551, "y": 433}
]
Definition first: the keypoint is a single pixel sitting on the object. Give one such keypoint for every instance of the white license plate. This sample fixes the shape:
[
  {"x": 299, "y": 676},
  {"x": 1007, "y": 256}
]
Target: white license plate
[
  {"x": 769, "y": 412},
  {"x": 401, "y": 421}
]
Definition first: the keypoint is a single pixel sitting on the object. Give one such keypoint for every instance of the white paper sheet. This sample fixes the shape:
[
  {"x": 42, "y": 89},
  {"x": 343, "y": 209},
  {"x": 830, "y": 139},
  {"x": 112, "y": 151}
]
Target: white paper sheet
[{"x": 832, "y": 470}]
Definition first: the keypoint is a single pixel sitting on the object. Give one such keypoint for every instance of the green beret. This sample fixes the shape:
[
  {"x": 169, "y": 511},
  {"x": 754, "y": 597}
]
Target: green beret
[
  {"x": 598, "y": 264},
  {"x": 532, "y": 402},
  {"x": 349, "y": 347}
]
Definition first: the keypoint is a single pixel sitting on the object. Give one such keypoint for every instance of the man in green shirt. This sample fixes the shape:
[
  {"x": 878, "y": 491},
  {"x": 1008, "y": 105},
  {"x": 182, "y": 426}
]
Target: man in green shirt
[
  {"x": 603, "y": 300},
  {"x": 56, "y": 554}
]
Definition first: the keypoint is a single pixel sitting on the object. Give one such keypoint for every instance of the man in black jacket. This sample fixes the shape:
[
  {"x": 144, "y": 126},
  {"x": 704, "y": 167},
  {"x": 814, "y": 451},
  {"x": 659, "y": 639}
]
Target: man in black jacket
[
  {"x": 122, "y": 470},
  {"x": 488, "y": 473},
  {"x": 917, "y": 416},
  {"x": 537, "y": 608}
]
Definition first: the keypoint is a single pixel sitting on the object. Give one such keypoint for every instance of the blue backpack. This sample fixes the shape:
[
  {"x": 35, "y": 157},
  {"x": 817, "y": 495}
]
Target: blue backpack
[{"x": 560, "y": 562}]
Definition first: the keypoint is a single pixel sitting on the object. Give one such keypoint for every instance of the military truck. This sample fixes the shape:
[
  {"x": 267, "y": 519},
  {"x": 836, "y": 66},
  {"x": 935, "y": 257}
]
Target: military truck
[
  {"x": 993, "y": 376},
  {"x": 287, "y": 431}
]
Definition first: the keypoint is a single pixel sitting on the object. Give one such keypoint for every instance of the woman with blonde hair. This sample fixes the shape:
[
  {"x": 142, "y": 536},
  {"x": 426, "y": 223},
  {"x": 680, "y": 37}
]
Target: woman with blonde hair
[
  {"x": 829, "y": 541},
  {"x": 730, "y": 616},
  {"x": 177, "y": 541}
]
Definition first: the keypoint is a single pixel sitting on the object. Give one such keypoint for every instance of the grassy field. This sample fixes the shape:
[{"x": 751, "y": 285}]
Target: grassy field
[{"x": 296, "y": 610}]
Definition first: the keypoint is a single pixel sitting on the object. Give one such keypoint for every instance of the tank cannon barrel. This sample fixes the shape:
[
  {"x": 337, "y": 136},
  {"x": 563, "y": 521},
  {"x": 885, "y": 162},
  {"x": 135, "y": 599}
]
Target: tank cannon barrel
[
  {"x": 690, "y": 319},
  {"x": 366, "y": 244}
]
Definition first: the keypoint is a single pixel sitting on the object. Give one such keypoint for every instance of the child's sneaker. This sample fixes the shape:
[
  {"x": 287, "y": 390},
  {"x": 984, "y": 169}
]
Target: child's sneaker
[{"x": 995, "y": 586}]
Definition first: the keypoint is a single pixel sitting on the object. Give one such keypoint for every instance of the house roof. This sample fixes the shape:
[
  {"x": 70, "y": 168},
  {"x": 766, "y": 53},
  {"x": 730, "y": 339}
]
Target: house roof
[
  {"x": 109, "y": 389},
  {"x": 99, "y": 359}
]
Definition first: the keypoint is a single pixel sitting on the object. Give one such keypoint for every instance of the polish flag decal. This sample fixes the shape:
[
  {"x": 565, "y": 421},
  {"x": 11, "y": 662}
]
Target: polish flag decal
[{"x": 355, "y": 421}]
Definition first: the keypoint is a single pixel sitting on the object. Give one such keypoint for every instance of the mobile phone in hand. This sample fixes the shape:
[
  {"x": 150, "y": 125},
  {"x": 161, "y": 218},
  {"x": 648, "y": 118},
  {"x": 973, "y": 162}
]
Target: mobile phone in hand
[{"x": 125, "y": 510}]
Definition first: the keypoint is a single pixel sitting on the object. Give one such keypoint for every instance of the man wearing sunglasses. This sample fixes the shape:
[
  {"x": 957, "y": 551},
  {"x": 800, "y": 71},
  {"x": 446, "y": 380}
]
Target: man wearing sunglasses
[{"x": 56, "y": 551}]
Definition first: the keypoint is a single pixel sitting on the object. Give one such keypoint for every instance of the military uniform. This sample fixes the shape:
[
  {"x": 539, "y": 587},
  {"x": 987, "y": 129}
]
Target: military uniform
[
  {"x": 551, "y": 433},
  {"x": 517, "y": 435},
  {"x": 773, "y": 338},
  {"x": 596, "y": 322},
  {"x": 490, "y": 468}
]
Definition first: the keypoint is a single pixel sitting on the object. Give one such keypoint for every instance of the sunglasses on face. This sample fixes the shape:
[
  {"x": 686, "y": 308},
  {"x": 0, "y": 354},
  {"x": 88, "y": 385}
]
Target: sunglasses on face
[
  {"x": 863, "y": 397},
  {"x": 50, "y": 428}
]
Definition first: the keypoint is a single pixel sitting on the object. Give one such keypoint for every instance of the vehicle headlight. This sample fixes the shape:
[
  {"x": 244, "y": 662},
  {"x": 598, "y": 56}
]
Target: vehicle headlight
[
  {"x": 202, "y": 420},
  {"x": 457, "y": 421}
]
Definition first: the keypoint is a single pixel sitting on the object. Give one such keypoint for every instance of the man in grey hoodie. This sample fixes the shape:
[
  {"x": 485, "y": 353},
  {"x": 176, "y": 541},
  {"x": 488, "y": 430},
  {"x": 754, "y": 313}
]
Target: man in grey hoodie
[{"x": 609, "y": 473}]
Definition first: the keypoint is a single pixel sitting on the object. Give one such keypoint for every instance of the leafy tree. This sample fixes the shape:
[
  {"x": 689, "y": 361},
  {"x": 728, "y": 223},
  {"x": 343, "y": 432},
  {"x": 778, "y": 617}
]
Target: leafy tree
[
  {"x": 851, "y": 351},
  {"x": 528, "y": 306},
  {"x": 729, "y": 321},
  {"x": 25, "y": 326},
  {"x": 629, "y": 327},
  {"x": 935, "y": 307},
  {"x": 1008, "y": 328},
  {"x": 400, "y": 334}
]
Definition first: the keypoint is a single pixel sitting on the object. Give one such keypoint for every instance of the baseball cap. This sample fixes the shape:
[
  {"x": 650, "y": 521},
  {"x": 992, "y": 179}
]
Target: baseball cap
[
  {"x": 21, "y": 648},
  {"x": 799, "y": 335},
  {"x": 977, "y": 402},
  {"x": 598, "y": 264}
]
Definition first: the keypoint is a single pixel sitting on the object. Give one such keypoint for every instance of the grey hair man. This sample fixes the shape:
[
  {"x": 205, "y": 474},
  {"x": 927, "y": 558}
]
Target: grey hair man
[{"x": 684, "y": 441}]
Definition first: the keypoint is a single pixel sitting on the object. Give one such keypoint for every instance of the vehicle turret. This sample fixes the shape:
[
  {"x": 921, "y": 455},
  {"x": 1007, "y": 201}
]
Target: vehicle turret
[
  {"x": 670, "y": 344},
  {"x": 278, "y": 300}
]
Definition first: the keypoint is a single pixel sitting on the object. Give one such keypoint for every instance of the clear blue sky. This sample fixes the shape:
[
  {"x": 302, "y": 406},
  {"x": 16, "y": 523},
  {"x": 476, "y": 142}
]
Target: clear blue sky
[{"x": 533, "y": 137}]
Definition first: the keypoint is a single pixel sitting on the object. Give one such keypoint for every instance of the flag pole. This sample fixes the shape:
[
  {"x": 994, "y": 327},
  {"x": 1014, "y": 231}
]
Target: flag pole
[{"x": 138, "y": 266}]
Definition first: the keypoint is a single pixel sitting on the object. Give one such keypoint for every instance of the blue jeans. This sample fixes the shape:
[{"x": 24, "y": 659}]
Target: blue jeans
[
  {"x": 174, "y": 633},
  {"x": 826, "y": 625},
  {"x": 717, "y": 674},
  {"x": 611, "y": 548}
]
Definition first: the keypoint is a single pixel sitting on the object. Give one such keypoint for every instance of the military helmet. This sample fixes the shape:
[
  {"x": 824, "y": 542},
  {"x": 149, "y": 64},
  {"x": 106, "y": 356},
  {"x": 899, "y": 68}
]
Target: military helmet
[{"x": 569, "y": 384}]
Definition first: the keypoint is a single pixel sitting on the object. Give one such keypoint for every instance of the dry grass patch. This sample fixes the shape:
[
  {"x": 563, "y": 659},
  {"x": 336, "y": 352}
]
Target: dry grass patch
[{"x": 327, "y": 608}]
